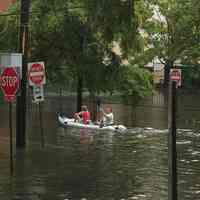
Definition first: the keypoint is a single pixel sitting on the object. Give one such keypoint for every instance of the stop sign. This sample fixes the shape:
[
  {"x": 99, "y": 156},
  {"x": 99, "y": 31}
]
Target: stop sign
[
  {"x": 36, "y": 73},
  {"x": 9, "y": 82},
  {"x": 175, "y": 75}
]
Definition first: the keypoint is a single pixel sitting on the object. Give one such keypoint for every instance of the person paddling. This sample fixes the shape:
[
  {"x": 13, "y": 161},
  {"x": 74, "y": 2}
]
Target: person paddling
[
  {"x": 98, "y": 109},
  {"x": 107, "y": 118},
  {"x": 83, "y": 116}
]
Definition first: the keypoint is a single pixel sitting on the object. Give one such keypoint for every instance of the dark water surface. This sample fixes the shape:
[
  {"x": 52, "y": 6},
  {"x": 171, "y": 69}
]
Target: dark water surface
[{"x": 79, "y": 164}]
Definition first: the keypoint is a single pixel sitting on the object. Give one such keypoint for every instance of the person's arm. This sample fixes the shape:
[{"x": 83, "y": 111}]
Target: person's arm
[
  {"x": 79, "y": 113},
  {"x": 104, "y": 114}
]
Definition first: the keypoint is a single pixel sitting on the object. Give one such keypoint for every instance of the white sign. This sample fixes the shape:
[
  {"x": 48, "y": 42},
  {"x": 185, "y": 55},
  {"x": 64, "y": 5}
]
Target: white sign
[
  {"x": 175, "y": 75},
  {"x": 11, "y": 60},
  {"x": 38, "y": 93},
  {"x": 36, "y": 74}
]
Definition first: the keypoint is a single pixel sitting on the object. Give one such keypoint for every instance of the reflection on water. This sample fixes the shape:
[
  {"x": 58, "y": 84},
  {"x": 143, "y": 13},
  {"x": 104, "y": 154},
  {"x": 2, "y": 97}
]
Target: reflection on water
[
  {"x": 189, "y": 162},
  {"x": 82, "y": 164},
  {"x": 90, "y": 165}
]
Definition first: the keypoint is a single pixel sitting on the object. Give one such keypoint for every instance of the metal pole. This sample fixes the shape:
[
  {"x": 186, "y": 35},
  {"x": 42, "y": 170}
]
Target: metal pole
[
  {"x": 11, "y": 139},
  {"x": 61, "y": 101},
  {"x": 98, "y": 106},
  {"x": 172, "y": 195},
  {"x": 21, "y": 99},
  {"x": 79, "y": 93},
  {"x": 41, "y": 125}
]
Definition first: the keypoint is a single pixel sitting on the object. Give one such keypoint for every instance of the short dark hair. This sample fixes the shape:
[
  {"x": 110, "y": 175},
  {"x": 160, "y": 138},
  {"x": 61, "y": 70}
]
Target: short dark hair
[{"x": 84, "y": 108}]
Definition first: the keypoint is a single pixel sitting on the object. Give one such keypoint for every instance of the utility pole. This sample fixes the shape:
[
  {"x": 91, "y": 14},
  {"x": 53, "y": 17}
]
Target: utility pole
[
  {"x": 175, "y": 82},
  {"x": 79, "y": 75},
  {"x": 21, "y": 99},
  {"x": 172, "y": 192}
]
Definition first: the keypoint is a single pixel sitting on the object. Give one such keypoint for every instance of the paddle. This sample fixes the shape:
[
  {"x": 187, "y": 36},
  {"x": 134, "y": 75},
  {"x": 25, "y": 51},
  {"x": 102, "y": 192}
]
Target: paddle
[{"x": 98, "y": 108}]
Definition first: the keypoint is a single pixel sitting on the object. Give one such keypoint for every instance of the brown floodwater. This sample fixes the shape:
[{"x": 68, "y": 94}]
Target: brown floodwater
[{"x": 77, "y": 164}]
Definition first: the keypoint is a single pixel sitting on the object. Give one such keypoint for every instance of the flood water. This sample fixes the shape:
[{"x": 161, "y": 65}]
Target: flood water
[{"x": 79, "y": 164}]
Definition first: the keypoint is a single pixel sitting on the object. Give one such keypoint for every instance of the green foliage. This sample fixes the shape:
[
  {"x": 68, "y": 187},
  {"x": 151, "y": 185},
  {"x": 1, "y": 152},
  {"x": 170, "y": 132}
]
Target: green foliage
[
  {"x": 170, "y": 30},
  {"x": 191, "y": 76},
  {"x": 76, "y": 39},
  {"x": 135, "y": 83},
  {"x": 9, "y": 34}
]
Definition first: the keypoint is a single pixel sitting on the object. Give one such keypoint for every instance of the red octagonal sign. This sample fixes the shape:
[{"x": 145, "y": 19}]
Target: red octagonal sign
[
  {"x": 175, "y": 75},
  {"x": 36, "y": 73},
  {"x": 9, "y": 82}
]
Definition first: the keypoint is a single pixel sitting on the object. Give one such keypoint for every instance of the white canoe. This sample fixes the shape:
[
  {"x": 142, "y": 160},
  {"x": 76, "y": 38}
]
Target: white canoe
[{"x": 67, "y": 122}]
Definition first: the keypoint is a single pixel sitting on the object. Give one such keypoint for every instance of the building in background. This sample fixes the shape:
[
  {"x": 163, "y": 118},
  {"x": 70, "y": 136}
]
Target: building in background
[
  {"x": 157, "y": 68},
  {"x": 5, "y": 4}
]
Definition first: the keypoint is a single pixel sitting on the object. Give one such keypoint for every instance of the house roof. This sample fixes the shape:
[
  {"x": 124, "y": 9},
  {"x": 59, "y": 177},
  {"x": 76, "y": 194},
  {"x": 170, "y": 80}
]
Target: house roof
[{"x": 4, "y": 4}]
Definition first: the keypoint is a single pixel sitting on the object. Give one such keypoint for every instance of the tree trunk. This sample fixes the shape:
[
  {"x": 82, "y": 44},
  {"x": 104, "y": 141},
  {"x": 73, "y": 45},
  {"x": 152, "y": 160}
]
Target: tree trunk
[
  {"x": 93, "y": 106},
  {"x": 79, "y": 93},
  {"x": 168, "y": 66}
]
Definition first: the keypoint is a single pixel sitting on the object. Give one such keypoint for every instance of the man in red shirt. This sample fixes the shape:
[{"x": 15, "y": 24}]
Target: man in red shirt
[{"x": 83, "y": 116}]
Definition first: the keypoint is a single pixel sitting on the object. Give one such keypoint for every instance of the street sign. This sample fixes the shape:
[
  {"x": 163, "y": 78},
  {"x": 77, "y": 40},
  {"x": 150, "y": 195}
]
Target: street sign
[
  {"x": 9, "y": 83},
  {"x": 36, "y": 74},
  {"x": 11, "y": 59},
  {"x": 175, "y": 75},
  {"x": 38, "y": 93}
]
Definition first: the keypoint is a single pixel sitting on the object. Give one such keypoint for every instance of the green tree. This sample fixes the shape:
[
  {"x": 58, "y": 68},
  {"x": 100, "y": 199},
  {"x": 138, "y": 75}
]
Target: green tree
[
  {"x": 89, "y": 32},
  {"x": 66, "y": 40},
  {"x": 135, "y": 83},
  {"x": 76, "y": 40},
  {"x": 172, "y": 33}
]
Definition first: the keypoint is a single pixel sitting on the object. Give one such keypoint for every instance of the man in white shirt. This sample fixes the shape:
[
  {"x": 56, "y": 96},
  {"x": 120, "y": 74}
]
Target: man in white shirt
[{"x": 108, "y": 117}]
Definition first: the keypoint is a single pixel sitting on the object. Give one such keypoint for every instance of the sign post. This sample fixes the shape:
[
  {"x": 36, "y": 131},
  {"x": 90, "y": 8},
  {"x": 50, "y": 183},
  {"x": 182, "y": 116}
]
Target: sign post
[
  {"x": 9, "y": 83},
  {"x": 37, "y": 78},
  {"x": 175, "y": 81},
  {"x": 11, "y": 138},
  {"x": 38, "y": 93},
  {"x": 38, "y": 97}
]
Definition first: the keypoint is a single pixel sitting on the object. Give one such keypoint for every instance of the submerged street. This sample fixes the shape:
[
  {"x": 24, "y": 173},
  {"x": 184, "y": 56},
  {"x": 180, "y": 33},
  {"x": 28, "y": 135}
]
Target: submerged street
[
  {"x": 99, "y": 100},
  {"x": 83, "y": 164}
]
